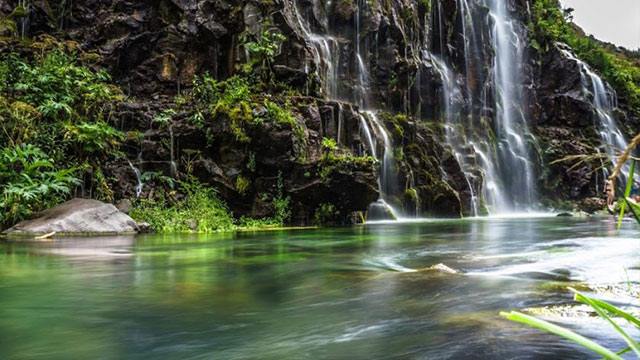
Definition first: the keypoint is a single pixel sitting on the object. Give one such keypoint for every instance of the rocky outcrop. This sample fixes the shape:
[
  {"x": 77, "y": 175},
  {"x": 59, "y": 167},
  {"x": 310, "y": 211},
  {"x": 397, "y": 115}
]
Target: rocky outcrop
[
  {"x": 79, "y": 217},
  {"x": 154, "y": 50}
]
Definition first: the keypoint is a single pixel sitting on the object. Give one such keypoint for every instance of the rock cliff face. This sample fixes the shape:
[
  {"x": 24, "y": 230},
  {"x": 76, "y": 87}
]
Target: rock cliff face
[{"x": 423, "y": 74}]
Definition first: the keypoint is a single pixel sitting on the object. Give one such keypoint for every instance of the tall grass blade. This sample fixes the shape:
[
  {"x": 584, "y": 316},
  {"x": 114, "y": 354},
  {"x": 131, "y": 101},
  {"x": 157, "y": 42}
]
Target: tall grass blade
[
  {"x": 614, "y": 310},
  {"x": 624, "y": 351},
  {"x": 634, "y": 208},
  {"x": 560, "y": 331},
  {"x": 589, "y": 301},
  {"x": 627, "y": 192}
]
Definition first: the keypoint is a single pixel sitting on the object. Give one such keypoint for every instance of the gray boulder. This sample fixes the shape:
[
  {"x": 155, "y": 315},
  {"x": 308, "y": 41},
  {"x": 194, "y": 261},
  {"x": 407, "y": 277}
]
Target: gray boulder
[{"x": 77, "y": 217}]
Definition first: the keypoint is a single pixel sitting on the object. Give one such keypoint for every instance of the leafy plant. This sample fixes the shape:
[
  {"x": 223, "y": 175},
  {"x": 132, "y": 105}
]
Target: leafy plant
[
  {"x": 264, "y": 49},
  {"x": 29, "y": 182},
  {"x": 281, "y": 202},
  {"x": 200, "y": 211},
  {"x": 329, "y": 144},
  {"x": 164, "y": 118},
  {"x": 326, "y": 213},
  {"x": 94, "y": 137}
]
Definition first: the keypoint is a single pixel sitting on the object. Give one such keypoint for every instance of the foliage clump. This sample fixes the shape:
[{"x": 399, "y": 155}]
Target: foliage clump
[
  {"x": 30, "y": 182},
  {"x": 335, "y": 159},
  {"x": 54, "y": 128},
  {"x": 201, "y": 210}
]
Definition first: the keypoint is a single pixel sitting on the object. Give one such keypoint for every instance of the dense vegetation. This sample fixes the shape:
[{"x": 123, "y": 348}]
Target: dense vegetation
[
  {"x": 54, "y": 128},
  {"x": 551, "y": 24},
  {"x": 57, "y": 135}
]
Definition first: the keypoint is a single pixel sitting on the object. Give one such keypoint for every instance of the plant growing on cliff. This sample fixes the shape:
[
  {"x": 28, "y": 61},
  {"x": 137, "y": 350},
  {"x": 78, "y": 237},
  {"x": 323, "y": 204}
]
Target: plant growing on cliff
[
  {"x": 281, "y": 202},
  {"x": 326, "y": 213},
  {"x": 336, "y": 159},
  {"x": 263, "y": 51}
]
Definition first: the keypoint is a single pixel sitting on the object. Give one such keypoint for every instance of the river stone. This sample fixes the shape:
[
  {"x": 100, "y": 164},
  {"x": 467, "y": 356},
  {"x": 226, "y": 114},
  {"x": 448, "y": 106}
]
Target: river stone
[{"x": 77, "y": 217}]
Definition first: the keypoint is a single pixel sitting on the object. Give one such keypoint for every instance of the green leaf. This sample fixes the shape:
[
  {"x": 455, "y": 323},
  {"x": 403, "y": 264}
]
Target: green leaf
[
  {"x": 560, "y": 331},
  {"x": 627, "y": 192},
  {"x": 634, "y": 208},
  {"x": 595, "y": 305}
]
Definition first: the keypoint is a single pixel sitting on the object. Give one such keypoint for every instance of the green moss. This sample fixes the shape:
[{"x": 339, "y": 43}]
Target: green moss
[
  {"x": 411, "y": 194},
  {"x": 242, "y": 184},
  {"x": 342, "y": 160},
  {"x": 426, "y": 4}
]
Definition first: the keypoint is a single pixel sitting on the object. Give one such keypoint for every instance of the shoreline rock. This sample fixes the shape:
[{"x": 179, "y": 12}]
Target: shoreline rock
[{"x": 76, "y": 217}]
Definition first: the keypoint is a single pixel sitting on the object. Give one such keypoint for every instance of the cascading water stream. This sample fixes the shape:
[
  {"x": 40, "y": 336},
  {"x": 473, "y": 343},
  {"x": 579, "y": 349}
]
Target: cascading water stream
[
  {"x": 327, "y": 61},
  {"x": 604, "y": 101},
  {"x": 514, "y": 167},
  {"x": 139, "y": 184},
  {"x": 326, "y": 53},
  {"x": 454, "y": 129}
]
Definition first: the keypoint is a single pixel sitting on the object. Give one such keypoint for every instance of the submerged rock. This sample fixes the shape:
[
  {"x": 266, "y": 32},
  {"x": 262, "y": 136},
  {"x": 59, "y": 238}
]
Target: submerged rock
[
  {"x": 442, "y": 268},
  {"x": 77, "y": 217}
]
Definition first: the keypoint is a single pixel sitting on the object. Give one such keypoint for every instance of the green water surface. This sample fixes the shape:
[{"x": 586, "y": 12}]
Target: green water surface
[{"x": 361, "y": 292}]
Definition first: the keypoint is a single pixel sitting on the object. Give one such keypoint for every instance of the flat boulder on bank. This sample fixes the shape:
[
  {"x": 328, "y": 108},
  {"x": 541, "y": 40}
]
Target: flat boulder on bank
[{"x": 77, "y": 217}]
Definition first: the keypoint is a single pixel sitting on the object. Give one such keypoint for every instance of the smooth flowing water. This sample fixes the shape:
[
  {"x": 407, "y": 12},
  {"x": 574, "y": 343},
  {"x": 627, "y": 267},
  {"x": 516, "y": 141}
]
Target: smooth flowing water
[
  {"x": 516, "y": 189},
  {"x": 359, "y": 293},
  {"x": 604, "y": 101}
]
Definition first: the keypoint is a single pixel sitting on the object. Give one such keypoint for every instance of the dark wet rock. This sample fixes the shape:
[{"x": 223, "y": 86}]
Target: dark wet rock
[
  {"x": 77, "y": 217},
  {"x": 379, "y": 210}
]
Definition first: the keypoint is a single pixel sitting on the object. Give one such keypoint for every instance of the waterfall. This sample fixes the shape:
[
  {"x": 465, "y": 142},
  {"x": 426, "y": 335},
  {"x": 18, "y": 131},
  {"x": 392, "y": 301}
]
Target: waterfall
[
  {"x": 326, "y": 52},
  {"x": 326, "y": 57},
  {"x": 490, "y": 141},
  {"x": 493, "y": 143},
  {"x": 172, "y": 162},
  {"x": 139, "y": 183},
  {"x": 454, "y": 129},
  {"x": 514, "y": 188},
  {"x": 604, "y": 101}
]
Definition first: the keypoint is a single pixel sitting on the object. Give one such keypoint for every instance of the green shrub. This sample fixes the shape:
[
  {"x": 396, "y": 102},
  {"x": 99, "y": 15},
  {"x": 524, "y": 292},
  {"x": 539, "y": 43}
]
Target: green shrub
[
  {"x": 94, "y": 137},
  {"x": 200, "y": 211},
  {"x": 329, "y": 144},
  {"x": 242, "y": 184},
  {"x": 263, "y": 51},
  {"x": 30, "y": 182},
  {"x": 59, "y": 105},
  {"x": 281, "y": 203}
]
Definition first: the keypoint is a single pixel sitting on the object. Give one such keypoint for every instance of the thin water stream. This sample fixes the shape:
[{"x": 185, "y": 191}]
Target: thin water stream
[{"x": 358, "y": 292}]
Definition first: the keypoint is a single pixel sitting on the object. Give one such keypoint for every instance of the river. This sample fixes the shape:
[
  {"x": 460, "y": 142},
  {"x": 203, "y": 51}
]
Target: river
[{"x": 362, "y": 292}]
